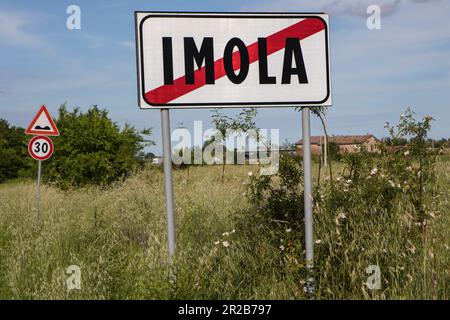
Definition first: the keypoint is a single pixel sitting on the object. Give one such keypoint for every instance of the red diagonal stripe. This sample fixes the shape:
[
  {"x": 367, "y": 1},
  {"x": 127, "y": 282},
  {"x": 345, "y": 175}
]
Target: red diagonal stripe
[{"x": 275, "y": 42}]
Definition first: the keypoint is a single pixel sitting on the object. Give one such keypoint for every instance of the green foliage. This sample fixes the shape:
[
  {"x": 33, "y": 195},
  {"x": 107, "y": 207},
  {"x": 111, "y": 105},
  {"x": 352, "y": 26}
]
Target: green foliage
[
  {"x": 226, "y": 249},
  {"x": 14, "y": 159},
  {"x": 92, "y": 149},
  {"x": 229, "y": 248},
  {"x": 244, "y": 122},
  {"x": 333, "y": 150},
  {"x": 374, "y": 200},
  {"x": 400, "y": 174},
  {"x": 279, "y": 196}
]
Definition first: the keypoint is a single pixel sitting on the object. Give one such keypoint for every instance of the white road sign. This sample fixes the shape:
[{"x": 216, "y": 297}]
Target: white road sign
[{"x": 220, "y": 59}]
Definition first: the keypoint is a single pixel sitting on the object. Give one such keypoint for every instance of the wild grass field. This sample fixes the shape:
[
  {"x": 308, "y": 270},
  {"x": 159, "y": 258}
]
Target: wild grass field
[{"x": 225, "y": 250}]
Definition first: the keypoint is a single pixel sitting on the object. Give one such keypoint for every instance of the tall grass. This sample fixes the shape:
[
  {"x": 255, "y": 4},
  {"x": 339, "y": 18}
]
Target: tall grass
[{"x": 225, "y": 250}]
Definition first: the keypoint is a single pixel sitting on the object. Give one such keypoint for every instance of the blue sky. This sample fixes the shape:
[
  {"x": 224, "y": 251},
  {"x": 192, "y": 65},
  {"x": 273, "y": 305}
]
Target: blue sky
[{"x": 376, "y": 74}]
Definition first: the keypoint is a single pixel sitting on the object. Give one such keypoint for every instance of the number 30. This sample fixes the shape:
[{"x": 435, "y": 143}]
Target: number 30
[{"x": 38, "y": 147}]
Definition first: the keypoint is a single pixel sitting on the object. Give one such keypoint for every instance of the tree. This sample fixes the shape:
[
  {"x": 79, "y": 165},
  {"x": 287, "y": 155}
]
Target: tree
[
  {"x": 92, "y": 149},
  {"x": 244, "y": 122},
  {"x": 14, "y": 160},
  {"x": 333, "y": 150}
]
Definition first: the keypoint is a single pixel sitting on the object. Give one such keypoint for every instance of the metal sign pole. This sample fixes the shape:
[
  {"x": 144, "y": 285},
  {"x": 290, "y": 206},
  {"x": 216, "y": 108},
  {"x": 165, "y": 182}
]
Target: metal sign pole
[
  {"x": 309, "y": 244},
  {"x": 326, "y": 140},
  {"x": 167, "y": 160},
  {"x": 38, "y": 189}
]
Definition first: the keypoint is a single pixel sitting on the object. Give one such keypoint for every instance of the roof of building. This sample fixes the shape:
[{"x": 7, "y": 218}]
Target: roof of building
[{"x": 339, "y": 139}]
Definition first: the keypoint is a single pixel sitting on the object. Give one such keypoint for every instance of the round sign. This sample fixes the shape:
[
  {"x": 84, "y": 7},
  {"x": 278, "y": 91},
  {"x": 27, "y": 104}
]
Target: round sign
[{"x": 40, "y": 148}]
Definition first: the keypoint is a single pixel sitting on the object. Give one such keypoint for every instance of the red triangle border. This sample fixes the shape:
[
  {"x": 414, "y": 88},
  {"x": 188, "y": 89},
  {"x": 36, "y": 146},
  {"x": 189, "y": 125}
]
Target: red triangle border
[{"x": 31, "y": 131}]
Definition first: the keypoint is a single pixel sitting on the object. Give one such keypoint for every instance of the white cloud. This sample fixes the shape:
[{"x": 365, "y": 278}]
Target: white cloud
[
  {"x": 334, "y": 7},
  {"x": 358, "y": 8},
  {"x": 13, "y": 30},
  {"x": 128, "y": 44},
  {"x": 94, "y": 41}
]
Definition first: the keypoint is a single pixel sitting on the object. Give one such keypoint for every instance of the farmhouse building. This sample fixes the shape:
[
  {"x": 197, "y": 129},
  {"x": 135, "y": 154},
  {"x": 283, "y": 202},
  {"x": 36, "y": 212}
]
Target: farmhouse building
[{"x": 345, "y": 143}]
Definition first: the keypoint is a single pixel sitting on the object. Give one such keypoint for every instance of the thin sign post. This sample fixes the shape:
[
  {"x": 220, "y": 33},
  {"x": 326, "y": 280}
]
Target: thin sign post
[
  {"x": 307, "y": 198},
  {"x": 38, "y": 190},
  {"x": 168, "y": 187},
  {"x": 204, "y": 60}
]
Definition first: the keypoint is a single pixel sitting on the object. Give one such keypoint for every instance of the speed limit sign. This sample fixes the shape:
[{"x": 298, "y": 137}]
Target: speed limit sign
[{"x": 40, "y": 147}]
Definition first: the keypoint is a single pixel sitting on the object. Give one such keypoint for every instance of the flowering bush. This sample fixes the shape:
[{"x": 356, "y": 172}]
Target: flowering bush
[
  {"x": 279, "y": 196},
  {"x": 374, "y": 211},
  {"x": 374, "y": 184}
]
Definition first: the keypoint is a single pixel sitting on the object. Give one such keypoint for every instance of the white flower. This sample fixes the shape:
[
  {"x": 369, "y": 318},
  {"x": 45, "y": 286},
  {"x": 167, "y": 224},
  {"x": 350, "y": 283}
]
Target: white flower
[
  {"x": 217, "y": 242},
  {"x": 406, "y": 152},
  {"x": 409, "y": 168},
  {"x": 349, "y": 181},
  {"x": 412, "y": 249},
  {"x": 228, "y": 233},
  {"x": 289, "y": 230},
  {"x": 282, "y": 247},
  {"x": 250, "y": 173},
  {"x": 391, "y": 183},
  {"x": 318, "y": 241},
  {"x": 374, "y": 171},
  {"x": 225, "y": 244}
]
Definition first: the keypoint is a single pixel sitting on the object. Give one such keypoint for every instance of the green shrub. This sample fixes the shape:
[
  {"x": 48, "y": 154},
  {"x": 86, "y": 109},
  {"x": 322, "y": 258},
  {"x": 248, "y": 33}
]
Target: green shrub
[
  {"x": 14, "y": 159},
  {"x": 376, "y": 211},
  {"x": 279, "y": 196},
  {"x": 92, "y": 149}
]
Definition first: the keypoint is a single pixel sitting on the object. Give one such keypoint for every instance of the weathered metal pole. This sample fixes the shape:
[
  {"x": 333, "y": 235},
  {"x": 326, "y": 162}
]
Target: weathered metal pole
[
  {"x": 309, "y": 241},
  {"x": 325, "y": 163},
  {"x": 38, "y": 190},
  {"x": 167, "y": 162}
]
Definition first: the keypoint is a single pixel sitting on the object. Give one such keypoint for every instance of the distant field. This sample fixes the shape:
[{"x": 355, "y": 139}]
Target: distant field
[{"x": 117, "y": 237}]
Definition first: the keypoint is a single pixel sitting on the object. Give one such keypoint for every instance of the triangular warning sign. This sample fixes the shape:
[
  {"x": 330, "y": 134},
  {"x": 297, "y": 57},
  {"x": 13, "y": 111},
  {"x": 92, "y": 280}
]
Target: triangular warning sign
[{"x": 42, "y": 124}]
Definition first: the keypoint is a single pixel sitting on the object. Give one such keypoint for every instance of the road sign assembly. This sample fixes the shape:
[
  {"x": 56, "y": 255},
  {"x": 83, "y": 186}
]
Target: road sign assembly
[
  {"x": 210, "y": 60},
  {"x": 41, "y": 146}
]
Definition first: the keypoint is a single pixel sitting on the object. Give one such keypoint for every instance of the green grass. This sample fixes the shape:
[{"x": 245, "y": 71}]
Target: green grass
[{"x": 117, "y": 237}]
